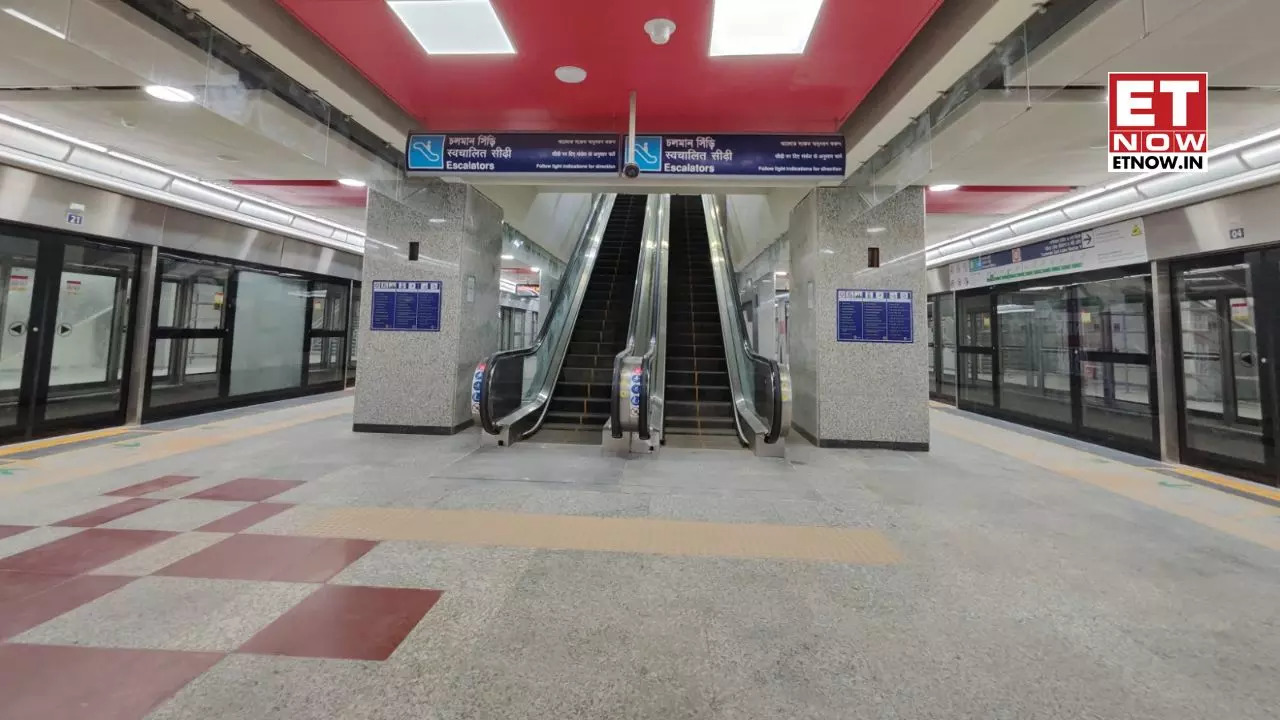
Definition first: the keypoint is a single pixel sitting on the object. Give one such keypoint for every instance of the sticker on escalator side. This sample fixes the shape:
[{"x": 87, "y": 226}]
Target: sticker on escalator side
[
  {"x": 477, "y": 380},
  {"x": 406, "y": 305},
  {"x": 637, "y": 376}
]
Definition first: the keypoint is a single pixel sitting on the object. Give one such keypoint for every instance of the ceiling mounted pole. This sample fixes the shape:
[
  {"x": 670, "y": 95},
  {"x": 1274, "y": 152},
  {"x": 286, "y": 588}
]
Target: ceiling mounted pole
[{"x": 631, "y": 132}]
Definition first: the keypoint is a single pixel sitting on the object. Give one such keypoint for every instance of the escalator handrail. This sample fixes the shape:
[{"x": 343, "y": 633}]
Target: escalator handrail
[
  {"x": 639, "y": 291},
  {"x": 567, "y": 300},
  {"x": 642, "y": 332},
  {"x": 653, "y": 406},
  {"x": 736, "y": 340}
]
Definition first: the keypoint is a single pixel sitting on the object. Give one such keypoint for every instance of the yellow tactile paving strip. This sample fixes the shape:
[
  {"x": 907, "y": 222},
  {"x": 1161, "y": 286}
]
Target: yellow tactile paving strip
[
  {"x": 629, "y": 535},
  {"x": 90, "y": 461},
  {"x": 1247, "y": 488},
  {"x": 19, "y": 448},
  {"x": 1240, "y": 517}
]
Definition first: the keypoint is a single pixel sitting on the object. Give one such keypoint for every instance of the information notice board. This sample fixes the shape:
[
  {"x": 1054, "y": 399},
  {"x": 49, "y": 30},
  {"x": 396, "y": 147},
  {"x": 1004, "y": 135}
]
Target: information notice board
[
  {"x": 877, "y": 316},
  {"x": 406, "y": 305}
]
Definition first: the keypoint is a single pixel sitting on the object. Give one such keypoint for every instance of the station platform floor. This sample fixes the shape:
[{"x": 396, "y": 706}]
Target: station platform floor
[{"x": 269, "y": 563}]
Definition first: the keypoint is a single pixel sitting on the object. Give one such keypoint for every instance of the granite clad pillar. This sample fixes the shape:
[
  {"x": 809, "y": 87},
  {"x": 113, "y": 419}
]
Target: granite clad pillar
[
  {"x": 857, "y": 394},
  {"x": 420, "y": 382}
]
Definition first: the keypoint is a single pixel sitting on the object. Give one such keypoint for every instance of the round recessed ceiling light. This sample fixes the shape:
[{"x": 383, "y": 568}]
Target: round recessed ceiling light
[
  {"x": 944, "y": 187},
  {"x": 351, "y": 182},
  {"x": 570, "y": 74},
  {"x": 877, "y": 229},
  {"x": 169, "y": 94},
  {"x": 437, "y": 221}
]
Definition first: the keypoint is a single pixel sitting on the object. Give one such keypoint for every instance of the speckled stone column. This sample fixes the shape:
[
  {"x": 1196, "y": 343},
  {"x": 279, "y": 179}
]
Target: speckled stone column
[
  {"x": 854, "y": 394},
  {"x": 420, "y": 382}
]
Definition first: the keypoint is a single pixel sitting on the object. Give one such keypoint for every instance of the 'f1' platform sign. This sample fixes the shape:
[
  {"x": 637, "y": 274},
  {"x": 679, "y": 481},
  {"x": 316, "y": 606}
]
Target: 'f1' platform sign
[{"x": 1158, "y": 121}]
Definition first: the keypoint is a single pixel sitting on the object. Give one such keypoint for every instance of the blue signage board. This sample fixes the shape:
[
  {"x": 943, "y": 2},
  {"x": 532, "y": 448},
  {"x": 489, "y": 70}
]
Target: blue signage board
[
  {"x": 406, "y": 305},
  {"x": 877, "y": 316},
  {"x": 793, "y": 156},
  {"x": 513, "y": 153}
]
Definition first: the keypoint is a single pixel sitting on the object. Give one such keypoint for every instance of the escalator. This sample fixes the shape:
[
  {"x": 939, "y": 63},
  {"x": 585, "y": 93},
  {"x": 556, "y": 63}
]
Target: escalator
[
  {"x": 713, "y": 389},
  {"x": 699, "y": 397},
  {"x": 563, "y": 381},
  {"x": 580, "y": 401}
]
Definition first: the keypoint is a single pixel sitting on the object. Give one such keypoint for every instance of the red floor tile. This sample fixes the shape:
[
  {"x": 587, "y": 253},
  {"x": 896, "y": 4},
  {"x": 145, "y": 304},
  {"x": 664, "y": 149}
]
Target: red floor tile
[
  {"x": 347, "y": 622},
  {"x": 83, "y": 551},
  {"x": 9, "y": 530},
  {"x": 160, "y": 483},
  {"x": 241, "y": 520},
  {"x": 46, "y": 682},
  {"x": 246, "y": 490},
  {"x": 29, "y": 599},
  {"x": 109, "y": 513},
  {"x": 271, "y": 557}
]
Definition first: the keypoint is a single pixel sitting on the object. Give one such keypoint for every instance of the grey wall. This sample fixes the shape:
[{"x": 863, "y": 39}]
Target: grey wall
[
  {"x": 872, "y": 394},
  {"x": 802, "y": 239},
  {"x": 418, "y": 381},
  {"x": 42, "y": 200},
  {"x": 1207, "y": 227}
]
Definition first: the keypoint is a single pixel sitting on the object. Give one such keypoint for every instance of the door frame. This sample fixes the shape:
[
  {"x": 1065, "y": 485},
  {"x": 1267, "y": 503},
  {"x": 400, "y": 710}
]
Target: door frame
[
  {"x": 1264, "y": 276},
  {"x": 37, "y": 368}
]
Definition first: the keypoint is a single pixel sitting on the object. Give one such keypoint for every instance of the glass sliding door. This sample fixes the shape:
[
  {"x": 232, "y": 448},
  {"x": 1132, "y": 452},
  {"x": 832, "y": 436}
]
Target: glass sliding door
[
  {"x": 353, "y": 329},
  {"x": 947, "y": 346},
  {"x": 227, "y": 334},
  {"x": 1116, "y": 373},
  {"x": 976, "y": 372},
  {"x": 90, "y": 333},
  {"x": 327, "y": 337},
  {"x": 932, "y": 314},
  {"x": 1225, "y": 421},
  {"x": 1072, "y": 355},
  {"x": 64, "y": 345},
  {"x": 1035, "y": 353},
  {"x": 189, "y": 331},
  {"x": 18, "y": 257}
]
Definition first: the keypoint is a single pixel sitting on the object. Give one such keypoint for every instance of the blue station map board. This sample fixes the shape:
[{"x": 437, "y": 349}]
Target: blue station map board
[
  {"x": 790, "y": 156},
  {"x": 406, "y": 305},
  {"x": 513, "y": 154},
  {"x": 875, "y": 316}
]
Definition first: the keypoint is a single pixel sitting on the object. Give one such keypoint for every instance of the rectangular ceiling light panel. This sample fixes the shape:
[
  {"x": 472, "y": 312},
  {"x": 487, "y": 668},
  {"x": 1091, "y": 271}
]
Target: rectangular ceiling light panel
[
  {"x": 762, "y": 27},
  {"x": 454, "y": 27}
]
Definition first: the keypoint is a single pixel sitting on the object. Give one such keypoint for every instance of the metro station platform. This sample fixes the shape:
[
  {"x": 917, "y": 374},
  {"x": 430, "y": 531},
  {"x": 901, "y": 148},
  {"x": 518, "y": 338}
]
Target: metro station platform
[{"x": 269, "y": 563}]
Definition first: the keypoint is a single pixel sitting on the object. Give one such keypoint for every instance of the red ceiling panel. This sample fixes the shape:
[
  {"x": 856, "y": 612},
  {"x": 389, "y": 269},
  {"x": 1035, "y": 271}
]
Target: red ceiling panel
[
  {"x": 990, "y": 199},
  {"x": 680, "y": 88}
]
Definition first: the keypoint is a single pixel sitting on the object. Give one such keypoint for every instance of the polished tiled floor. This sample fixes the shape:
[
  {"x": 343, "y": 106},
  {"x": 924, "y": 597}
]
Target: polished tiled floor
[{"x": 270, "y": 564}]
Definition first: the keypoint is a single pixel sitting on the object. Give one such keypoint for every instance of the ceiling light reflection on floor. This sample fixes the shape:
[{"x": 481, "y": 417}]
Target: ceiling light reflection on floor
[{"x": 762, "y": 27}]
